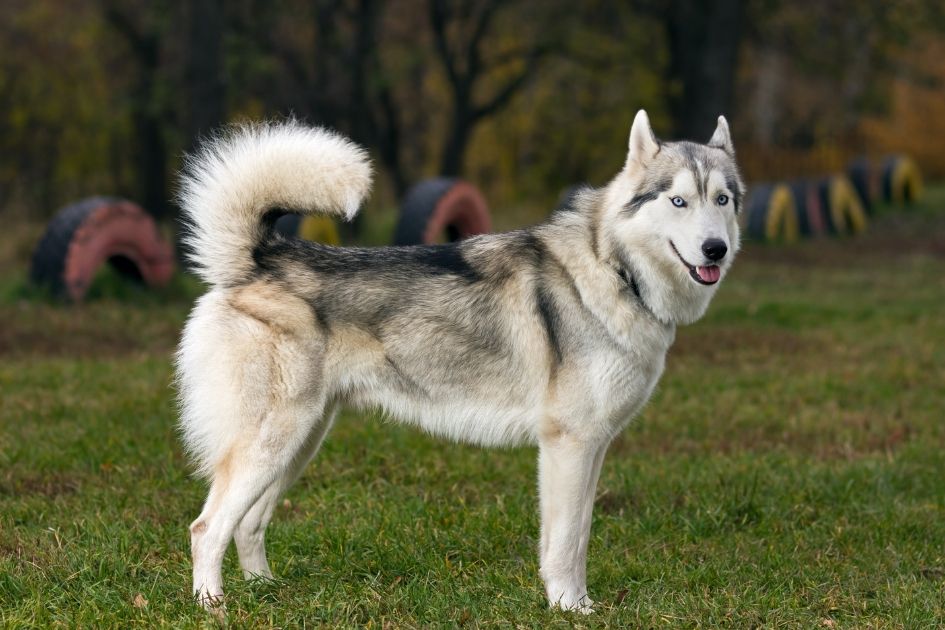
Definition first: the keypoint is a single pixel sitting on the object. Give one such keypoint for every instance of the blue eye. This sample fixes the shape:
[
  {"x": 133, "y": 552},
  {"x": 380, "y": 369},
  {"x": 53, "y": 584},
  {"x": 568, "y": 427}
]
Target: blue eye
[
  {"x": 723, "y": 199},
  {"x": 678, "y": 202}
]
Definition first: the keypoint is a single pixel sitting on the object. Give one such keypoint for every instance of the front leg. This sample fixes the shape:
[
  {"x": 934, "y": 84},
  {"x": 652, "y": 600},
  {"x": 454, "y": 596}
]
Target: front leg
[{"x": 568, "y": 471}]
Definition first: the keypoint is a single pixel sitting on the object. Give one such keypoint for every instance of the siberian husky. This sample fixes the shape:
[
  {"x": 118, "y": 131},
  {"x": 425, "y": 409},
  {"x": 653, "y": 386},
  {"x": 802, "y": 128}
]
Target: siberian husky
[{"x": 552, "y": 336}]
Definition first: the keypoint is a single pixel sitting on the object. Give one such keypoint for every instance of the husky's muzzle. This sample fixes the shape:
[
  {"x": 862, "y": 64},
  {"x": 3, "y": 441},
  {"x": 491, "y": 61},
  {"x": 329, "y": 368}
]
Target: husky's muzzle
[{"x": 706, "y": 275}]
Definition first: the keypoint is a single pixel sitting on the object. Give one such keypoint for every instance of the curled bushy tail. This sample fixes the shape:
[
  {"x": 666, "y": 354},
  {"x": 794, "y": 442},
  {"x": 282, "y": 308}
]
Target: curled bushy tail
[{"x": 230, "y": 184}]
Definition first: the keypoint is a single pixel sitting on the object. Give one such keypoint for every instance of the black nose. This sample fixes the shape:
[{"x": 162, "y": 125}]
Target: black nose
[{"x": 714, "y": 249}]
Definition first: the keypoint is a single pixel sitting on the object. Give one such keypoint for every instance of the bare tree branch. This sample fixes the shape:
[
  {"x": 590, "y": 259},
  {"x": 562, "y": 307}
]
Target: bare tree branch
[
  {"x": 479, "y": 30},
  {"x": 504, "y": 94},
  {"x": 439, "y": 18}
]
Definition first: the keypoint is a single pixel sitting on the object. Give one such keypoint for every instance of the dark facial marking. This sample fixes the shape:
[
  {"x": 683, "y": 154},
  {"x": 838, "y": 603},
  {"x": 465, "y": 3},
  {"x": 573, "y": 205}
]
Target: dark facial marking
[
  {"x": 647, "y": 196},
  {"x": 737, "y": 193},
  {"x": 691, "y": 157}
]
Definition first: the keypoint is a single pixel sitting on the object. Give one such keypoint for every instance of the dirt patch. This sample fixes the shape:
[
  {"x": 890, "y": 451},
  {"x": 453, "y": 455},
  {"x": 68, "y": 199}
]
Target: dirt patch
[
  {"x": 848, "y": 436},
  {"x": 893, "y": 237},
  {"x": 30, "y": 329},
  {"x": 48, "y": 485},
  {"x": 719, "y": 342}
]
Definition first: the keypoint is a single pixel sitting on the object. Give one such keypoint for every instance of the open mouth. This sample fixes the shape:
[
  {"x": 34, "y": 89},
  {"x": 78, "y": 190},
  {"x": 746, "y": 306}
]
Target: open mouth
[{"x": 703, "y": 275}]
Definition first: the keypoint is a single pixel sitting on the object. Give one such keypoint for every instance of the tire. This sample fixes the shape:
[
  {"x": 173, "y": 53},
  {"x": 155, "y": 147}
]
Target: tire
[
  {"x": 315, "y": 228},
  {"x": 84, "y": 235},
  {"x": 842, "y": 210},
  {"x": 288, "y": 224},
  {"x": 440, "y": 207},
  {"x": 901, "y": 180},
  {"x": 771, "y": 214},
  {"x": 810, "y": 217},
  {"x": 566, "y": 198},
  {"x": 865, "y": 180}
]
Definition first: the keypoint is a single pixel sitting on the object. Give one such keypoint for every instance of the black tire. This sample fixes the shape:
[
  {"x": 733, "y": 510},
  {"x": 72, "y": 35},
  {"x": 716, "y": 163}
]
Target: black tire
[
  {"x": 863, "y": 177},
  {"x": 888, "y": 169},
  {"x": 756, "y": 211},
  {"x": 423, "y": 209},
  {"x": 823, "y": 193},
  {"x": 566, "y": 198},
  {"x": 417, "y": 208},
  {"x": 288, "y": 224},
  {"x": 49, "y": 258}
]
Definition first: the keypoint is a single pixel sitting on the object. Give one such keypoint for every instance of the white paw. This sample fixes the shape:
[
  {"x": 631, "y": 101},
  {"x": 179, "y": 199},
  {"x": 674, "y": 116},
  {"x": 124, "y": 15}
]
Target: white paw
[
  {"x": 573, "y": 602},
  {"x": 212, "y": 603}
]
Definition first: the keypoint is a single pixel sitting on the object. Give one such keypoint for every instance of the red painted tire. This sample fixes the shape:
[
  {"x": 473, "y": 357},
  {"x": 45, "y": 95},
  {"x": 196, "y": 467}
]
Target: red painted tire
[
  {"x": 442, "y": 206},
  {"x": 84, "y": 235},
  {"x": 810, "y": 210}
]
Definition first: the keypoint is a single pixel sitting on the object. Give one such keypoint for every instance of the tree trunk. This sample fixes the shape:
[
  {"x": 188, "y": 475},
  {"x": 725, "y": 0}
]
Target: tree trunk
[
  {"x": 704, "y": 39},
  {"x": 148, "y": 134},
  {"x": 151, "y": 163},
  {"x": 147, "y": 117},
  {"x": 457, "y": 140},
  {"x": 206, "y": 88}
]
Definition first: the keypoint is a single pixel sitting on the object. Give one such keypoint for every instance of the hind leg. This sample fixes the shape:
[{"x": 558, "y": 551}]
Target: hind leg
[
  {"x": 250, "y": 533},
  {"x": 256, "y": 461}
]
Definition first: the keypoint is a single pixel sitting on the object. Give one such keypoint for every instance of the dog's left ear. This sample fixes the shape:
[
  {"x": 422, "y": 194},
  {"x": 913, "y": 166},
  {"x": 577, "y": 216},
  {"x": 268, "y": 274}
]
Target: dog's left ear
[{"x": 722, "y": 138}]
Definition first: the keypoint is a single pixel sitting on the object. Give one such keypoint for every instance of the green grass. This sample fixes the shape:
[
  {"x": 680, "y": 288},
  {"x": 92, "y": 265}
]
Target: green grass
[{"x": 790, "y": 471}]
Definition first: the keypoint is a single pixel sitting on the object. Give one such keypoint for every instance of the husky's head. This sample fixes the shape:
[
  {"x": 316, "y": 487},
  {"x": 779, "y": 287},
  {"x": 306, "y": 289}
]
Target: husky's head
[{"x": 671, "y": 219}]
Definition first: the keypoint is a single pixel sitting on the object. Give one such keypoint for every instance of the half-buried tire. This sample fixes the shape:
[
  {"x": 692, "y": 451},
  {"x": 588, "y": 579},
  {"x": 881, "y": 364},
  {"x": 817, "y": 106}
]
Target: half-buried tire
[
  {"x": 771, "y": 214},
  {"x": 86, "y": 234},
  {"x": 810, "y": 212},
  {"x": 841, "y": 206},
  {"x": 317, "y": 228},
  {"x": 865, "y": 179},
  {"x": 442, "y": 209},
  {"x": 568, "y": 195},
  {"x": 901, "y": 180}
]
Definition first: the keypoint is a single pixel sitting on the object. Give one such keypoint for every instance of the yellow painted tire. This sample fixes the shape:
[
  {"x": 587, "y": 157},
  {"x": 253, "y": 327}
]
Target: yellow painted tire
[
  {"x": 902, "y": 181},
  {"x": 771, "y": 214},
  {"x": 319, "y": 229},
  {"x": 844, "y": 210}
]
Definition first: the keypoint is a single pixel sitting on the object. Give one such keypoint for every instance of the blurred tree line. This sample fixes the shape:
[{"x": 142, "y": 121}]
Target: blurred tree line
[{"x": 522, "y": 97}]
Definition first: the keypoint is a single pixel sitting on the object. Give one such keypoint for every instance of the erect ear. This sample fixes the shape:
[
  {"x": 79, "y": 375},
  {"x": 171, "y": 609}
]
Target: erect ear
[
  {"x": 643, "y": 145},
  {"x": 722, "y": 138}
]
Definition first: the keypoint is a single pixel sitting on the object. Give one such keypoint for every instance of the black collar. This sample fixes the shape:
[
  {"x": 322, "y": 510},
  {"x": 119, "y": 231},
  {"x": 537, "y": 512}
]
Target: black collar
[{"x": 631, "y": 283}]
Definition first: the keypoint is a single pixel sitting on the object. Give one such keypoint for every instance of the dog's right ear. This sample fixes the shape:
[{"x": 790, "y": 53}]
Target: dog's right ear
[{"x": 643, "y": 144}]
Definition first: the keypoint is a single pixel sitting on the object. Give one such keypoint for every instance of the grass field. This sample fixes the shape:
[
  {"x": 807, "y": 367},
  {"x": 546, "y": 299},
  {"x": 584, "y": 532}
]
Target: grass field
[{"x": 790, "y": 471}]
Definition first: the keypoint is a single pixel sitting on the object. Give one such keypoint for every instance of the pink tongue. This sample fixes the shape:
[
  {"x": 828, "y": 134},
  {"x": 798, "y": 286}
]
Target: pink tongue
[{"x": 709, "y": 274}]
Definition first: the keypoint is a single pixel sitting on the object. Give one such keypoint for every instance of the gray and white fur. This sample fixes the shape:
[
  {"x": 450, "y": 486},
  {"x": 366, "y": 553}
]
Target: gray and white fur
[{"x": 554, "y": 336}]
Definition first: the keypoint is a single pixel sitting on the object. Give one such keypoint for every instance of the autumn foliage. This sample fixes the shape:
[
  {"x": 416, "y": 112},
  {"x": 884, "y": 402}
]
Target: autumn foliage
[{"x": 523, "y": 97}]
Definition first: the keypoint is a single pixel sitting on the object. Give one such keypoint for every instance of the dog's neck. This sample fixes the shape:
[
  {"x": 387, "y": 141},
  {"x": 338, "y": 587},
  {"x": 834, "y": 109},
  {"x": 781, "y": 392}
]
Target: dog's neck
[
  {"x": 631, "y": 282},
  {"x": 668, "y": 296}
]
